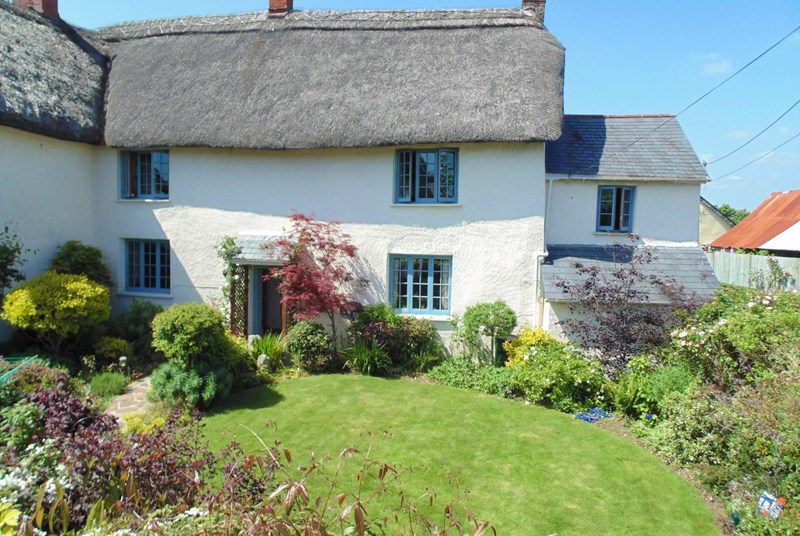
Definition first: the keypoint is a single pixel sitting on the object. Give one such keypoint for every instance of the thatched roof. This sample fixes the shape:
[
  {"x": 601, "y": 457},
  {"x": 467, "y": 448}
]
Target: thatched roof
[
  {"x": 624, "y": 147},
  {"x": 334, "y": 79},
  {"x": 51, "y": 78}
]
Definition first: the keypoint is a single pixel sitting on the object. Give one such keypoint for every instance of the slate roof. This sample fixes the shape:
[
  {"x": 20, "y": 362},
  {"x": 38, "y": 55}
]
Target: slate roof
[
  {"x": 776, "y": 214},
  {"x": 687, "y": 268},
  {"x": 603, "y": 145},
  {"x": 252, "y": 250}
]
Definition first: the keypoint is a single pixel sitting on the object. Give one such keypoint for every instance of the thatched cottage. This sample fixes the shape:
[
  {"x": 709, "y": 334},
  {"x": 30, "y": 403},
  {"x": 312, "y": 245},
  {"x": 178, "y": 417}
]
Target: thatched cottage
[{"x": 437, "y": 138}]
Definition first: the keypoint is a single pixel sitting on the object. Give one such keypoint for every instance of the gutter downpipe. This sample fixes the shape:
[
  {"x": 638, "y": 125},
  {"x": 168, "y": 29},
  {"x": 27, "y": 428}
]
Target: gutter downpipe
[{"x": 541, "y": 257}]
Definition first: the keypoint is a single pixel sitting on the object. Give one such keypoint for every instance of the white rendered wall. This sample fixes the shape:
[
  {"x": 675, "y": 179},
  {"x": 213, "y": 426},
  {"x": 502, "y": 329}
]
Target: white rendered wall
[
  {"x": 45, "y": 195},
  {"x": 493, "y": 233},
  {"x": 665, "y": 213}
]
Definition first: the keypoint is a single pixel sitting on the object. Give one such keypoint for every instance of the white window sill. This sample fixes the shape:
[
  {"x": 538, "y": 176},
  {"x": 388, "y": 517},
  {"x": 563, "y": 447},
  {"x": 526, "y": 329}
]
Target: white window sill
[
  {"x": 148, "y": 295},
  {"x": 139, "y": 200},
  {"x": 432, "y": 318},
  {"x": 614, "y": 233},
  {"x": 424, "y": 205}
]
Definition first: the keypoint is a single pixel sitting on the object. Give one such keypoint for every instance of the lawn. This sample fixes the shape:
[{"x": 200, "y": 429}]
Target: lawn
[{"x": 529, "y": 470}]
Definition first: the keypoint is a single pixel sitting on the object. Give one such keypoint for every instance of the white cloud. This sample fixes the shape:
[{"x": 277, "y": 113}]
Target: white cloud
[
  {"x": 714, "y": 63},
  {"x": 785, "y": 132},
  {"x": 739, "y": 134}
]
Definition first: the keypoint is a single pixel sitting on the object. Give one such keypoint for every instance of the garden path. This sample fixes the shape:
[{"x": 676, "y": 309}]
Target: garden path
[{"x": 134, "y": 399}]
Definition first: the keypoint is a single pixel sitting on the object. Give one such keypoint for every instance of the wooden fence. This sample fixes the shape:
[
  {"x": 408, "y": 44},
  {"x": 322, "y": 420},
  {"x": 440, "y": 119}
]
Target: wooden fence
[{"x": 755, "y": 270}]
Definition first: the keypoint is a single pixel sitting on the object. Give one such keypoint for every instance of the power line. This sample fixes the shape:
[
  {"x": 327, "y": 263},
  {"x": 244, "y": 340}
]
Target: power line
[
  {"x": 745, "y": 144},
  {"x": 706, "y": 94},
  {"x": 759, "y": 158}
]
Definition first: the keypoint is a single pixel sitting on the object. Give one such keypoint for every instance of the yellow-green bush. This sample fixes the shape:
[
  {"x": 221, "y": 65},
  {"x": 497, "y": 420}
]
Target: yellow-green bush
[
  {"x": 56, "y": 307},
  {"x": 141, "y": 422},
  {"x": 528, "y": 337}
]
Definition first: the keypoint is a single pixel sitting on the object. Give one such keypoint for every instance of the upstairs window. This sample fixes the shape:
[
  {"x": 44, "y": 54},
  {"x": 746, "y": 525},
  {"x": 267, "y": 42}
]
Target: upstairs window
[
  {"x": 145, "y": 174},
  {"x": 426, "y": 176},
  {"x": 147, "y": 266},
  {"x": 420, "y": 284},
  {"x": 615, "y": 208}
]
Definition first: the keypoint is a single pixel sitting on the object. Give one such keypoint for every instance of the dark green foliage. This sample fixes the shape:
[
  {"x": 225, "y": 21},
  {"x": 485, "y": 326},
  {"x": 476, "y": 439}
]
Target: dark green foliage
[
  {"x": 11, "y": 259},
  {"x": 310, "y": 346},
  {"x": 135, "y": 326},
  {"x": 410, "y": 344},
  {"x": 272, "y": 345},
  {"x": 108, "y": 384},
  {"x": 734, "y": 214},
  {"x": 198, "y": 386},
  {"x": 462, "y": 373},
  {"x": 19, "y": 424},
  {"x": 108, "y": 350},
  {"x": 192, "y": 333},
  {"x": 367, "y": 358},
  {"x": 76, "y": 258},
  {"x": 493, "y": 320}
]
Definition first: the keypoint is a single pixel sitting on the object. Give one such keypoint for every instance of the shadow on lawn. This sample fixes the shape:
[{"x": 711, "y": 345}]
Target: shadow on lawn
[{"x": 262, "y": 396}]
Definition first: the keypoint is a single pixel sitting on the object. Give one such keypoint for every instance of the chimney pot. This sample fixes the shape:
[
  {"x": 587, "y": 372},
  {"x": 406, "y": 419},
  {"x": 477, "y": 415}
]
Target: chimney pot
[
  {"x": 48, "y": 8},
  {"x": 534, "y": 8},
  {"x": 279, "y": 8}
]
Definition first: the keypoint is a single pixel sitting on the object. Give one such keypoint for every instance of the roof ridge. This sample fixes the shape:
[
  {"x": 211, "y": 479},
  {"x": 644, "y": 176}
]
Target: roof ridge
[{"x": 621, "y": 116}]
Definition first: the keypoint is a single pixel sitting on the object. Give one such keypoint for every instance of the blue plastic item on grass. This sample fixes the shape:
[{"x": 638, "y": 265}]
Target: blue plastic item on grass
[
  {"x": 588, "y": 417},
  {"x": 600, "y": 413}
]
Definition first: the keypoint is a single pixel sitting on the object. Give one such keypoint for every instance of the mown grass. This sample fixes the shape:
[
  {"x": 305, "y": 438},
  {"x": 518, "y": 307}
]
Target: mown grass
[{"x": 528, "y": 470}]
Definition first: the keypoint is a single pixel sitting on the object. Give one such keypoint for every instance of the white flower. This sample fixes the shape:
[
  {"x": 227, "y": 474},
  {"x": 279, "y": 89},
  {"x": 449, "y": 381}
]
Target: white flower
[
  {"x": 751, "y": 304},
  {"x": 722, "y": 322},
  {"x": 682, "y": 334},
  {"x": 765, "y": 302}
]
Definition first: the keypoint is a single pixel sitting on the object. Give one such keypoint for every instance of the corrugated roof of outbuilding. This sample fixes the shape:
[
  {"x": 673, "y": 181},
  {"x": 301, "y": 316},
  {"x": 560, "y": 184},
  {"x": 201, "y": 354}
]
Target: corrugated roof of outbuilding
[{"x": 776, "y": 214}]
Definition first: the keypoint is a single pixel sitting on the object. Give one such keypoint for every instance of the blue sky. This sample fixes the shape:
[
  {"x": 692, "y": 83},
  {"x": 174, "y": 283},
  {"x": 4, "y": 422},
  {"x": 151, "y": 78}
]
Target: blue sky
[{"x": 630, "y": 57}]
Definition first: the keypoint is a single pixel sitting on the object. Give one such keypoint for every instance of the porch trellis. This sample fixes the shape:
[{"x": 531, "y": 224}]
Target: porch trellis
[{"x": 239, "y": 304}]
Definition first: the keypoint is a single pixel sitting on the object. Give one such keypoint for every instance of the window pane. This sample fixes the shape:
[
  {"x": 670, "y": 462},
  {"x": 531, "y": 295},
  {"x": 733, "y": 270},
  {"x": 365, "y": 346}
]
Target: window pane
[
  {"x": 405, "y": 166},
  {"x": 625, "y": 216},
  {"x": 145, "y": 173},
  {"x": 441, "y": 284},
  {"x": 149, "y": 264},
  {"x": 426, "y": 175},
  {"x": 161, "y": 173},
  {"x": 419, "y": 289},
  {"x": 447, "y": 176},
  {"x": 164, "y": 270},
  {"x": 400, "y": 284},
  {"x": 134, "y": 272}
]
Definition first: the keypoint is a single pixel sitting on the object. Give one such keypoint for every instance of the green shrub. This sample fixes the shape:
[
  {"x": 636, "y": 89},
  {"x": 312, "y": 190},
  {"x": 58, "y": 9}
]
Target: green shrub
[
  {"x": 242, "y": 364},
  {"x": 141, "y": 422},
  {"x": 695, "y": 428},
  {"x": 56, "y": 307},
  {"x": 37, "y": 375},
  {"x": 19, "y": 424},
  {"x": 76, "y": 258},
  {"x": 493, "y": 320},
  {"x": 135, "y": 326},
  {"x": 272, "y": 345},
  {"x": 310, "y": 346},
  {"x": 108, "y": 384},
  {"x": 175, "y": 384},
  {"x": 192, "y": 333},
  {"x": 735, "y": 339},
  {"x": 642, "y": 388},
  {"x": 411, "y": 344},
  {"x": 108, "y": 350},
  {"x": 558, "y": 376},
  {"x": 367, "y": 358},
  {"x": 464, "y": 374}
]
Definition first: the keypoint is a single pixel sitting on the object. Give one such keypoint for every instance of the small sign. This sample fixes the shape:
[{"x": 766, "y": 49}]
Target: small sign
[{"x": 770, "y": 506}]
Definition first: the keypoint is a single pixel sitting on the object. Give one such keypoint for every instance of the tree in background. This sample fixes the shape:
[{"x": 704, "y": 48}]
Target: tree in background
[
  {"x": 316, "y": 277},
  {"x": 734, "y": 214},
  {"x": 11, "y": 259}
]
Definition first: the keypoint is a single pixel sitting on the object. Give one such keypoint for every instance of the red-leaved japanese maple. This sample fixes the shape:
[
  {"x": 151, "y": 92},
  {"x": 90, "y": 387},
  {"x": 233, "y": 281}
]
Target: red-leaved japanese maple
[{"x": 317, "y": 275}]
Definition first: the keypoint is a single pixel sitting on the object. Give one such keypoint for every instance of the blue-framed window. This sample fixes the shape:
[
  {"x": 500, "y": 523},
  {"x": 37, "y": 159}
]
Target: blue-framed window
[
  {"x": 147, "y": 266},
  {"x": 420, "y": 284},
  {"x": 426, "y": 176},
  {"x": 145, "y": 174},
  {"x": 615, "y": 208}
]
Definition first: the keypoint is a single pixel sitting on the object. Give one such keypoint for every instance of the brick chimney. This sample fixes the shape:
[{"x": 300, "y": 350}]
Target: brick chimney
[
  {"x": 48, "y": 8},
  {"x": 534, "y": 8},
  {"x": 279, "y": 8}
]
